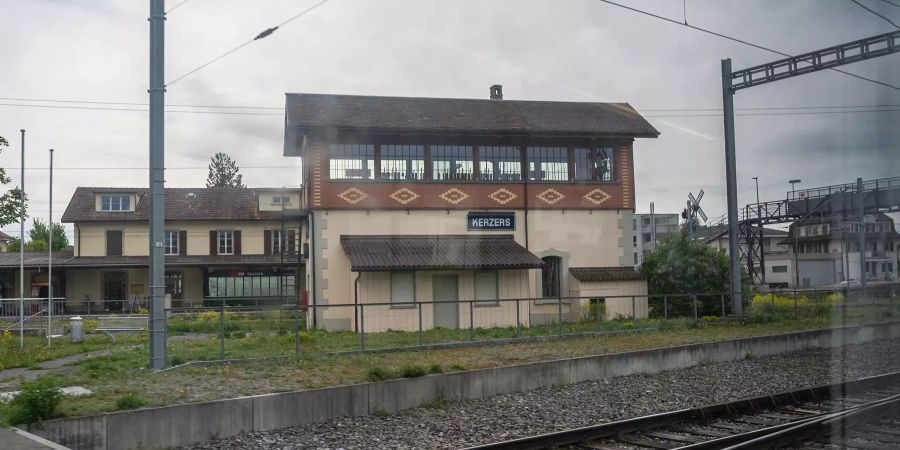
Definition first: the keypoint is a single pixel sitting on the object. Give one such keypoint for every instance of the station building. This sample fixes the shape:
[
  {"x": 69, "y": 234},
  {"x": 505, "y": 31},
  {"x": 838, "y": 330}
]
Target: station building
[{"x": 455, "y": 200}]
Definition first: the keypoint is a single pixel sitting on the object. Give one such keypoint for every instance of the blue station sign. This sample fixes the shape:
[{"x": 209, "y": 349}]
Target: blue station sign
[{"x": 490, "y": 221}]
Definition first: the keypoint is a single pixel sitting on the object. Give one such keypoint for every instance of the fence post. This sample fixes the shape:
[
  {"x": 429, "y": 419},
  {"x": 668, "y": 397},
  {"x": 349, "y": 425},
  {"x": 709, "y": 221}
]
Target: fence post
[
  {"x": 362, "y": 327},
  {"x": 297, "y": 330},
  {"x": 633, "y": 313},
  {"x": 421, "y": 336},
  {"x": 517, "y": 318},
  {"x": 694, "y": 298},
  {"x": 222, "y": 332},
  {"x": 665, "y": 307},
  {"x": 722, "y": 298},
  {"x": 559, "y": 313},
  {"x": 471, "y": 320},
  {"x": 599, "y": 314}
]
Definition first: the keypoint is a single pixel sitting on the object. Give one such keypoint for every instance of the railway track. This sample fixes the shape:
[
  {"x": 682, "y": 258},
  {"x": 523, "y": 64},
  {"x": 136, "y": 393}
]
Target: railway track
[{"x": 863, "y": 414}]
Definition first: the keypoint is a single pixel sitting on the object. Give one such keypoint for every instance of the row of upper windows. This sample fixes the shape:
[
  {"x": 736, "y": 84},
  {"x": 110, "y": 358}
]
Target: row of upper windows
[
  {"x": 222, "y": 242},
  {"x": 469, "y": 163}
]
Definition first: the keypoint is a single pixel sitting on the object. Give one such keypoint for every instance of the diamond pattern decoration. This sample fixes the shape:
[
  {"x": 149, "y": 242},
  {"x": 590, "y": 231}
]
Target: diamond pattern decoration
[
  {"x": 404, "y": 195},
  {"x": 551, "y": 196},
  {"x": 353, "y": 196},
  {"x": 454, "y": 196},
  {"x": 502, "y": 196},
  {"x": 597, "y": 196}
]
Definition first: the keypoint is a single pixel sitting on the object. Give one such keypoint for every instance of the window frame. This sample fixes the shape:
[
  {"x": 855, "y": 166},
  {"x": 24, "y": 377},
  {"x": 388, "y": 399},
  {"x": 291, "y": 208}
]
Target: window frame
[
  {"x": 229, "y": 240},
  {"x": 557, "y": 285},
  {"x": 486, "y": 303},
  {"x": 365, "y": 154},
  {"x": 602, "y": 165},
  {"x": 167, "y": 245},
  {"x": 453, "y": 158},
  {"x": 410, "y": 155},
  {"x": 537, "y": 156},
  {"x": 106, "y": 203},
  {"x": 497, "y": 162}
]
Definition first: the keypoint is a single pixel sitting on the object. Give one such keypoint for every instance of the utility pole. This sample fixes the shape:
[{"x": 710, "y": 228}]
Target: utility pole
[
  {"x": 22, "y": 250},
  {"x": 157, "y": 268},
  {"x": 796, "y": 232},
  {"x": 50, "y": 261},
  {"x": 731, "y": 188},
  {"x": 653, "y": 226},
  {"x": 861, "y": 210}
]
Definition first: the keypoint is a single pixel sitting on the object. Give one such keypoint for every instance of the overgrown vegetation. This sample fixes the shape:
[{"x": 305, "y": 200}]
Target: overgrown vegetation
[
  {"x": 36, "y": 401},
  {"x": 130, "y": 401}
]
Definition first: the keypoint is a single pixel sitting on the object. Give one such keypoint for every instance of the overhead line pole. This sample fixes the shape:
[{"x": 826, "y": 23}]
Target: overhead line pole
[
  {"x": 157, "y": 268},
  {"x": 22, "y": 250},
  {"x": 848, "y": 53}
]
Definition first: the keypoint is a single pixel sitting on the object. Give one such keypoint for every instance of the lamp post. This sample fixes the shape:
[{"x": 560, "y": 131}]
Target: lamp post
[
  {"x": 794, "y": 182},
  {"x": 756, "y": 180}
]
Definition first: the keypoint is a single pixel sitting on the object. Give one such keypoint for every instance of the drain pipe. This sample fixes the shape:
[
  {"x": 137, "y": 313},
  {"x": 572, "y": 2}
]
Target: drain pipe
[
  {"x": 356, "y": 302},
  {"x": 524, "y": 151}
]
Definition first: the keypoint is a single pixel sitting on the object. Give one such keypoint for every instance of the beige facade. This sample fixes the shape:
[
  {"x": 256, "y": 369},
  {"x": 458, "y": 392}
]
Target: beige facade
[{"x": 579, "y": 238}]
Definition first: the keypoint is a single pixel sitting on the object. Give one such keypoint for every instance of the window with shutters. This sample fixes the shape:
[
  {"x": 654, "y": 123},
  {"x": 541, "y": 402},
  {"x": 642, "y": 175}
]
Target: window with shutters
[
  {"x": 226, "y": 242},
  {"x": 277, "y": 242},
  {"x": 486, "y": 289},
  {"x": 403, "y": 287},
  {"x": 170, "y": 243}
]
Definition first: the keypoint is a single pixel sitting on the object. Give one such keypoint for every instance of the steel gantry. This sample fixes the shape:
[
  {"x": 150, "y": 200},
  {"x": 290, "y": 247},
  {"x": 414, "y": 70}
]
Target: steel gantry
[{"x": 732, "y": 81}]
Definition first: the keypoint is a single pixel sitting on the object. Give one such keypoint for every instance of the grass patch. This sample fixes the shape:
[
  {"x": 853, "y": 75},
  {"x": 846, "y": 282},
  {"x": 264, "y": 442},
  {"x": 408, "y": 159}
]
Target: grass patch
[
  {"x": 130, "y": 401},
  {"x": 413, "y": 371},
  {"x": 377, "y": 374},
  {"x": 37, "y": 401}
]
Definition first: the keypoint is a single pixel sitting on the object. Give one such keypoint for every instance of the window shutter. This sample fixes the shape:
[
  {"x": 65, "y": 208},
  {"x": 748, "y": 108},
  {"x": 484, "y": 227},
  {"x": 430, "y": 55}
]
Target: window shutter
[
  {"x": 291, "y": 242},
  {"x": 237, "y": 242},
  {"x": 213, "y": 242},
  {"x": 113, "y": 243},
  {"x": 267, "y": 242},
  {"x": 182, "y": 242}
]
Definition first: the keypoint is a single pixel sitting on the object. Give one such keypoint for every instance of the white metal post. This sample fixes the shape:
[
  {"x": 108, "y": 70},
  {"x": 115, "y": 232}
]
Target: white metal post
[
  {"x": 50, "y": 261},
  {"x": 22, "y": 250}
]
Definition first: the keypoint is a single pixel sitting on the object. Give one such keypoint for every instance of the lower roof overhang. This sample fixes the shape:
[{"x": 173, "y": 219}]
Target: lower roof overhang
[{"x": 378, "y": 253}]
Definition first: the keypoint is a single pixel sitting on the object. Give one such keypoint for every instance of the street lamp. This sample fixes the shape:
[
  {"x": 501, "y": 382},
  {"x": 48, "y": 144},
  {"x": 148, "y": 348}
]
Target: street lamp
[
  {"x": 756, "y": 180},
  {"x": 796, "y": 231}
]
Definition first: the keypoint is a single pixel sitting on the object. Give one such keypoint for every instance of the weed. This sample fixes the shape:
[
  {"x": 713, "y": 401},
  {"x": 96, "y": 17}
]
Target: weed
[
  {"x": 177, "y": 360},
  {"x": 435, "y": 368},
  {"x": 130, "y": 401},
  {"x": 377, "y": 374},
  {"x": 457, "y": 367},
  {"x": 36, "y": 402},
  {"x": 437, "y": 402},
  {"x": 413, "y": 371}
]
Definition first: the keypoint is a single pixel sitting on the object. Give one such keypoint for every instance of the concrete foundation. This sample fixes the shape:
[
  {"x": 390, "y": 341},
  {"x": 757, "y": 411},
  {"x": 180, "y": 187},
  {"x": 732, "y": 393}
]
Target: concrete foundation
[{"x": 196, "y": 422}]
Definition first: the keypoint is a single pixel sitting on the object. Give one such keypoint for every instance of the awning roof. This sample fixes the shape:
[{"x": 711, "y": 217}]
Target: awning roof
[
  {"x": 436, "y": 252},
  {"x": 594, "y": 274}
]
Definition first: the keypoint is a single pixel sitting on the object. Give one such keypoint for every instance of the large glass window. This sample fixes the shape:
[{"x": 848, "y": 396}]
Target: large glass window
[
  {"x": 170, "y": 242},
  {"x": 548, "y": 163},
  {"x": 351, "y": 161},
  {"x": 226, "y": 242},
  {"x": 402, "y": 162},
  {"x": 225, "y": 283},
  {"x": 452, "y": 162},
  {"x": 594, "y": 164},
  {"x": 500, "y": 163},
  {"x": 403, "y": 287},
  {"x": 115, "y": 202},
  {"x": 550, "y": 276}
]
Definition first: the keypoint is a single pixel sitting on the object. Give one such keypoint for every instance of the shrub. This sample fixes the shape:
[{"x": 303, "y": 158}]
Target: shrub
[
  {"x": 457, "y": 367},
  {"x": 36, "y": 402},
  {"x": 377, "y": 374},
  {"x": 412, "y": 371},
  {"x": 130, "y": 401},
  {"x": 177, "y": 360},
  {"x": 435, "y": 368}
]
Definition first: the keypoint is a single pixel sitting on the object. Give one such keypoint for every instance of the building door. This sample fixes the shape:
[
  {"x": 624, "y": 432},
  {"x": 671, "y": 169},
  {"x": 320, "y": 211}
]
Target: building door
[
  {"x": 445, "y": 289},
  {"x": 115, "y": 290}
]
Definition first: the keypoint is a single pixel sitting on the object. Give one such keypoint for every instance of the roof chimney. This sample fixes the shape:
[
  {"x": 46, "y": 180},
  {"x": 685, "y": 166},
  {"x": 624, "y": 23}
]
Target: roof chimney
[{"x": 496, "y": 92}]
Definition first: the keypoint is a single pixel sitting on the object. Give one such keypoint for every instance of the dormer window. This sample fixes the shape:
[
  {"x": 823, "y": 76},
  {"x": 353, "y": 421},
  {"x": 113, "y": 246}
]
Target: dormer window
[
  {"x": 279, "y": 201},
  {"x": 115, "y": 202}
]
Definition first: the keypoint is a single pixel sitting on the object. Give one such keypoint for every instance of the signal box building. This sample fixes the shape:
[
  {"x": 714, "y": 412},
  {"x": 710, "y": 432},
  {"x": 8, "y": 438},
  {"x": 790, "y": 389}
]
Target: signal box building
[{"x": 434, "y": 199}]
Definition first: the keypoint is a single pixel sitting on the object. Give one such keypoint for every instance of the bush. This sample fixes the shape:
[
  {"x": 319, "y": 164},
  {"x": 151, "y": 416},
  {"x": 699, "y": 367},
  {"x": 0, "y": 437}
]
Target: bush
[
  {"x": 177, "y": 360},
  {"x": 130, "y": 401},
  {"x": 435, "y": 368},
  {"x": 457, "y": 367},
  {"x": 36, "y": 402},
  {"x": 377, "y": 374},
  {"x": 412, "y": 371}
]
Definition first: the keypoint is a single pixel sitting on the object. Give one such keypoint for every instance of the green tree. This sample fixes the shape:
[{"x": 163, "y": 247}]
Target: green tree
[
  {"x": 38, "y": 238},
  {"x": 680, "y": 266},
  {"x": 223, "y": 172},
  {"x": 9, "y": 201}
]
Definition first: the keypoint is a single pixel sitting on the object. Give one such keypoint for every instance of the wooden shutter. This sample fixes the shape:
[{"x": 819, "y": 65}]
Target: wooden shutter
[
  {"x": 267, "y": 242},
  {"x": 113, "y": 243},
  {"x": 213, "y": 242},
  {"x": 291, "y": 242},
  {"x": 237, "y": 242},
  {"x": 182, "y": 243}
]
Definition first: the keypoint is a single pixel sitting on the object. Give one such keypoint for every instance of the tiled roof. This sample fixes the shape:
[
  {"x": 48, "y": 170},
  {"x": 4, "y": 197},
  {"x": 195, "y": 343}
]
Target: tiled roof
[
  {"x": 588, "y": 274},
  {"x": 204, "y": 204},
  {"x": 66, "y": 260},
  {"x": 6, "y": 237},
  {"x": 464, "y": 116},
  {"x": 418, "y": 252}
]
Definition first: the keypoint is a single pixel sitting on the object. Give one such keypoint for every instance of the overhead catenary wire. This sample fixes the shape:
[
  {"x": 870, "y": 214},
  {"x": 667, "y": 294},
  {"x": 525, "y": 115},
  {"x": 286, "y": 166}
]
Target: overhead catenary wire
[
  {"x": 876, "y": 13},
  {"x": 740, "y": 41},
  {"x": 263, "y": 34},
  {"x": 177, "y": 6}
]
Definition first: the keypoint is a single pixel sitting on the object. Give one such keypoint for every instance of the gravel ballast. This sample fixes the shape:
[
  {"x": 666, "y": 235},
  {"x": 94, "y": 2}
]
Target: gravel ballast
[{"x": 508, "y": 416}]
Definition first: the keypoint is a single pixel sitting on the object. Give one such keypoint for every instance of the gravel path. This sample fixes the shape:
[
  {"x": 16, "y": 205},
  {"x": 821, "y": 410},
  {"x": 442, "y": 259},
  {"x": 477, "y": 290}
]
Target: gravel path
[{"x": 507, "y": 416}]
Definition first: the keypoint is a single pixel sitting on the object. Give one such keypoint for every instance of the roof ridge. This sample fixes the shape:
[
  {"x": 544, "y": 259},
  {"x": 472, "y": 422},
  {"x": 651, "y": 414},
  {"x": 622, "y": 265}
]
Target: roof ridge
[{"x": 467, "y": 99}]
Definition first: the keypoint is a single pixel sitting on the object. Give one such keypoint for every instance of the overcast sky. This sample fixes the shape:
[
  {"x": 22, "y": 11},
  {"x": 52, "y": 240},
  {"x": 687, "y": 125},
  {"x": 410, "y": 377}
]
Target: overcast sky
[{"x": 571, "y": 50}]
